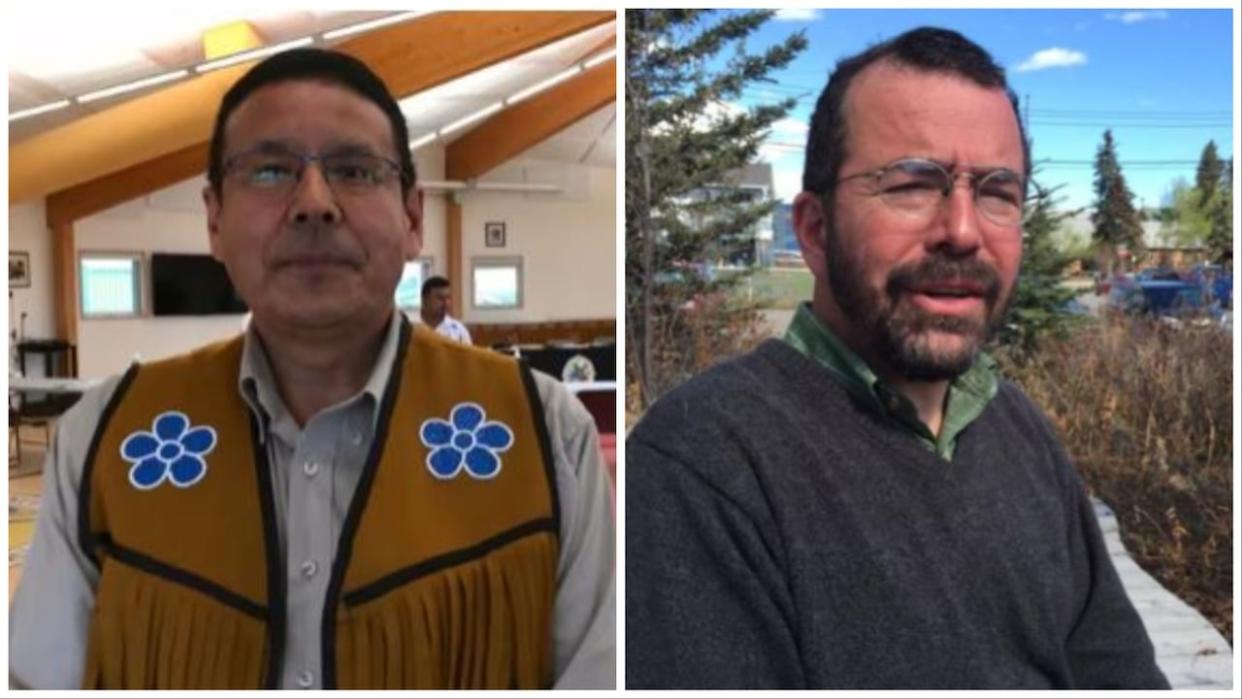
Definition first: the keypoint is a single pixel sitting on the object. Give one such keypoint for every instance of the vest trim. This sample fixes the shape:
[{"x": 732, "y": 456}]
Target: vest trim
[
  {"x": 353, "y": 518},
  {"x": 275, "y": 562},
  {"x": 182, "y": 577},
  {"x": 86, "y": 539},
  {"x": 390, "y": 582},
  {"x": 545, "y": 442}
]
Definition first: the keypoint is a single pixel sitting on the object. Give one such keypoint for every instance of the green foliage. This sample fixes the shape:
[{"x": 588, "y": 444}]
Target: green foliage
[
  {"x": 1115, "y": 219},
  {"x": 1219, "y": 212},
  {"x": 683, "y": 142},
  {"x": 1208, "y": 174},
  {"x": 1189, "y": 223},
  {"x": 1037, "y": 312},
  {"x": 1203, "y": 214}
]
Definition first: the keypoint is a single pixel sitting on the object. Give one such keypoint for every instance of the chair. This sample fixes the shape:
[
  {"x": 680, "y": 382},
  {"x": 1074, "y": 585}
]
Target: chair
[{"x": 39, "y": 413}]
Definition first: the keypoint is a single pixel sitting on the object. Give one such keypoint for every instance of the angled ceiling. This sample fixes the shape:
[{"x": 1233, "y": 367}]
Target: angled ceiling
[
  {"x": 43, "y": 71},
  {"x": 37, "y": 76}
]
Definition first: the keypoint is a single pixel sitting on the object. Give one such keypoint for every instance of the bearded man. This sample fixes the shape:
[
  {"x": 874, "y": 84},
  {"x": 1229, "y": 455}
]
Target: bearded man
[{"x": 866, "y": 503}]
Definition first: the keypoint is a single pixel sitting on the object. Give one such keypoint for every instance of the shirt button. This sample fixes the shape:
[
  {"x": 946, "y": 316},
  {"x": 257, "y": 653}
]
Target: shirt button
[
  {"x": 309, "y": 568},
  {"x": 306, "y": 679},
  {"x": 356, "y": 438},
  {"x": 310, "y": 468}
]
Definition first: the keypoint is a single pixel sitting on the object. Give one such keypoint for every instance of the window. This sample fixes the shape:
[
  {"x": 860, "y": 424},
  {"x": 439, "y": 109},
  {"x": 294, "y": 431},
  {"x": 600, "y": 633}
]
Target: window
[
  {"x": 497, "y": 282},
  {"x": 110, "y": 284},
  {"x": 410, "y": 289}
]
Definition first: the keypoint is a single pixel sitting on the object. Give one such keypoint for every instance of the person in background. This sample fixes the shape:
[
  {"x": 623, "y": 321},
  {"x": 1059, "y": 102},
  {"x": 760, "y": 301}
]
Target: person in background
[
  {"x": 437, "y": 292},
  {"x": 334, "y": 498}
]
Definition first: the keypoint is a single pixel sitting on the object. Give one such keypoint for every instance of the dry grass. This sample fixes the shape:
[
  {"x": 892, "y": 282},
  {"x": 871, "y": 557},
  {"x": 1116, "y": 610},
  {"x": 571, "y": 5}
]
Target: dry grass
[
  {"x": 688, "y": 339},
  {"x": 1146, "y": 412}
]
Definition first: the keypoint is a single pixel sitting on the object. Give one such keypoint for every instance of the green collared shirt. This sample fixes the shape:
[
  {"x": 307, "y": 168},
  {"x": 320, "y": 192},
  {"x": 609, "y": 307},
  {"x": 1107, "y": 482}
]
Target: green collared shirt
[{"x": 969, "y": 393}]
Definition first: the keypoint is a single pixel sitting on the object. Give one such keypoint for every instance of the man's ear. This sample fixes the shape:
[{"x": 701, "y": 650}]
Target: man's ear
[
  {"x": 211, "y": 200},
  {"x": 810, "y": 223},
  {"x": 414, "y": 213}
]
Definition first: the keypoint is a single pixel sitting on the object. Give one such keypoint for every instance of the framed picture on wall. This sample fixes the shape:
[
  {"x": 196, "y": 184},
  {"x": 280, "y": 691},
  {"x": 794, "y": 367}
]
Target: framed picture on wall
[
  {"x": 494, "y": 234},
  {"x": 19, "y": 269}
]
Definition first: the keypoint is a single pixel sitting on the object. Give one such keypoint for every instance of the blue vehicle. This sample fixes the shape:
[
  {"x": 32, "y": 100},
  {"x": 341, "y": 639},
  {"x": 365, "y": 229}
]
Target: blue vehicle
[{"x": 1162, "y": 292}]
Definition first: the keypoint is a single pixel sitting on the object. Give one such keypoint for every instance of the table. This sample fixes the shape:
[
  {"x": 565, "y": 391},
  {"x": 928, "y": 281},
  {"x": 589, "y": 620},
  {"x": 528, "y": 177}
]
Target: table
[
  {"x": 50, "y": 349},
  {"x": 44, "y": 384}
]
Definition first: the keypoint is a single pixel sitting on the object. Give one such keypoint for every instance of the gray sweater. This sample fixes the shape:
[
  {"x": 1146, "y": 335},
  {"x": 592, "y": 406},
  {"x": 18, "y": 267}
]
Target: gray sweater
[{"x": 780, "y": 536}]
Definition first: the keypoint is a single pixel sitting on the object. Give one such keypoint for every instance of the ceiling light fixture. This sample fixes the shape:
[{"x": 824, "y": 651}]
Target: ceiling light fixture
[
  {"x": 252, "y": 54},
  {"x": 373, "y": 24},
  {"x": 596, "y": 60},
  {"x": 132, "y": 86},
  {"x": 465, "y": 121},
  {"x": 560, "y": 77},
  {"x": 42, "y": 109},
  {"x": 419, "y": 142}
]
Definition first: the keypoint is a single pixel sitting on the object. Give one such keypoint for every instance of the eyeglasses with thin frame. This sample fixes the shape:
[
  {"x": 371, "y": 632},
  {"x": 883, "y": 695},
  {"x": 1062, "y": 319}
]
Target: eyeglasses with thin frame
[
  {"x": 276, "y": 172},
  {"x": 918, "y": 187}
]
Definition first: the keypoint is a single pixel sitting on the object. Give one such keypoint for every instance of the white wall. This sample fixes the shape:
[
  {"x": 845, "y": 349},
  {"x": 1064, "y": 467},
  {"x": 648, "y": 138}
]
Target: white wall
[
  {"x": 28, "y": 233},
  {"x": 567, "y": 241},
  {"x": 168, "y": 220}
]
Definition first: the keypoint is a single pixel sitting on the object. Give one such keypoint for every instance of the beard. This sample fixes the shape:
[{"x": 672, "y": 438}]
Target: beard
[{"x": 897, "y": 330}]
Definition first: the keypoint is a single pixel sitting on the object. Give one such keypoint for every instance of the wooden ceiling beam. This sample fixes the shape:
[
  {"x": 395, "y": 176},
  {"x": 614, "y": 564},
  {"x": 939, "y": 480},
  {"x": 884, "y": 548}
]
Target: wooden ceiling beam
[
  {"x": 530, "y": 122},
  {"x": 82, "y": 200},
  {"x": 143, "y": 132}
]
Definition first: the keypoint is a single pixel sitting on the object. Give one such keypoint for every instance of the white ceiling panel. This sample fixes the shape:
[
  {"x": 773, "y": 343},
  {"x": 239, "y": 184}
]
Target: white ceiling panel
[{"x": 42, "y": 71}]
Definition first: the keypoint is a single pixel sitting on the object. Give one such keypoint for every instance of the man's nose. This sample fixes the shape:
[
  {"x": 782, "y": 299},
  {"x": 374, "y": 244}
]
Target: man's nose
[
  {"x": 957, "y": 228},
  {"x": 314, "y": 202}
]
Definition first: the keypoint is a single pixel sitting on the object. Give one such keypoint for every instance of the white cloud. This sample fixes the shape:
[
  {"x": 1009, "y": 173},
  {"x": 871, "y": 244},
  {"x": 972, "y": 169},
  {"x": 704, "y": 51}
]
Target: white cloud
[
  {"x": 788, "y": 129},
  {"x": 1136, "y": 16},
  {"x": 797, "y": 14},
  {"x": 1055, "y": 57}
]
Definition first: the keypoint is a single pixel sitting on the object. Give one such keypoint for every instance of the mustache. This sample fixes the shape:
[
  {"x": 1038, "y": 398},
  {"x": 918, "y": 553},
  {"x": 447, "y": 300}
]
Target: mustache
[
  {"x": 939, "y": 270},
  {"x": 317, "y": 246}
]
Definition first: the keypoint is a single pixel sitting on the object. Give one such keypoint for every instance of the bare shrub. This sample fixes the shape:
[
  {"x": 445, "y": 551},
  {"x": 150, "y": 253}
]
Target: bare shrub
[{"x": 1145, "y": 411}]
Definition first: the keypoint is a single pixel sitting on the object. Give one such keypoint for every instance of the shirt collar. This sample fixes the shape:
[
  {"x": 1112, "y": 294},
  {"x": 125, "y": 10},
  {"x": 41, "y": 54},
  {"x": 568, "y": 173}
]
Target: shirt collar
[
  {"x": 257, "y": 384},
  {"x": 969, "y": 392}
]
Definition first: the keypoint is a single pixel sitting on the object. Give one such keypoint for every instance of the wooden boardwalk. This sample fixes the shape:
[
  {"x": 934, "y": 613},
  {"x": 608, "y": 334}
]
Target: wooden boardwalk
[{"x": 1190, "y": 651}]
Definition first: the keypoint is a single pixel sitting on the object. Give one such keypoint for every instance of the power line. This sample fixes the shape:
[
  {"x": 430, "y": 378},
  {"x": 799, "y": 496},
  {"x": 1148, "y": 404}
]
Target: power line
[
  {"x": 1110, "y": 113},
  {"x": 1124, "y": 125}
]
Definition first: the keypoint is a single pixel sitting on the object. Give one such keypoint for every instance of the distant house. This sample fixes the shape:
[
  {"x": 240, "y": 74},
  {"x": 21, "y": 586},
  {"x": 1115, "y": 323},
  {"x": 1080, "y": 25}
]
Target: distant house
[
  {"x": 757, "y": 181},
  {"x": 1164, "y": 250},
  {"x": 1160, "y": 242}
]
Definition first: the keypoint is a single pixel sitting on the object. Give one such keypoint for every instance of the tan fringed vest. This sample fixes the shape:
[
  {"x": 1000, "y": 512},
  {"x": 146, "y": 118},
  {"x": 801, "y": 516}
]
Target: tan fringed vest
[{"x": 446, "y": 568}]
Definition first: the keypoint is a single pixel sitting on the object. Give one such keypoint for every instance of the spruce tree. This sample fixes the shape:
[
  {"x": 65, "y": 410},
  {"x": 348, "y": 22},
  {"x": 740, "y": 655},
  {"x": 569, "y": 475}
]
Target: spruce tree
[
  {"x": 1037, "y": 311},
  {"x": 683, "y": 141},
  {"x": 1220, "y": 217},
  {"x": 1209, "y": 172},
  {"x": 1115, "y": 219}
]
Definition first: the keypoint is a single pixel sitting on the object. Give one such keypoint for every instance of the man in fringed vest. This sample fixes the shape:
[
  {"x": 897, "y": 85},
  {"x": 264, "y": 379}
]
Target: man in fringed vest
[{"x": 333, "y": 498}]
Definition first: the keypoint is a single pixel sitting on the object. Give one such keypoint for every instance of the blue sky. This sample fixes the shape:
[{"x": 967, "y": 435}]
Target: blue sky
[{"x": 1161, "y": 79}]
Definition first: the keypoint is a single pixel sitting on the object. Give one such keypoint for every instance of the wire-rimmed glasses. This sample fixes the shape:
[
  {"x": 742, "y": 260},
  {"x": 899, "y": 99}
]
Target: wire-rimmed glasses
[{"x": 917, "y": 187}]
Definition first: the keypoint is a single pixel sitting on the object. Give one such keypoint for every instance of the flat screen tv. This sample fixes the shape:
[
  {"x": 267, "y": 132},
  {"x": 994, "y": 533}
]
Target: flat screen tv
[{"x": 191, "y": 285}]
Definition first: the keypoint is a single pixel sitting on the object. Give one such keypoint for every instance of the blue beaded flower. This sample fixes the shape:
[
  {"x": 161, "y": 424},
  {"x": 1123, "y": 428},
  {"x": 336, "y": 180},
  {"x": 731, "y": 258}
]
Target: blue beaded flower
[
  {"x": 465, "y": 439},
  {"x": 172, "y": 450}
]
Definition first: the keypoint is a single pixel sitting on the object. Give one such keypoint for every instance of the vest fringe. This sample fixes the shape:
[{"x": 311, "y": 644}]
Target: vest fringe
[
  {"x": 152, "y": 633},
  {"x": 476, "y": 625}
]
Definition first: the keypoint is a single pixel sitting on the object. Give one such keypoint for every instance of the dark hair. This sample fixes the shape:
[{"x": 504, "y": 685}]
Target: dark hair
[
  {"x": 318, "y": 65},
  {"x": 927, "y": 48},
  {"x": 434, "y": 283}
]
